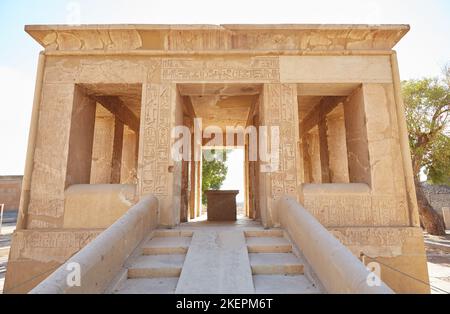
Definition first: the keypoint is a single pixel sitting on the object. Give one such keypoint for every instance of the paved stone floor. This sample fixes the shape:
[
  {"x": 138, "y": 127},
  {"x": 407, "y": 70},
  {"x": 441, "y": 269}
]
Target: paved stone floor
[
  {"x": 8, "y": 227},
  {"x": 438, "y": 253}
]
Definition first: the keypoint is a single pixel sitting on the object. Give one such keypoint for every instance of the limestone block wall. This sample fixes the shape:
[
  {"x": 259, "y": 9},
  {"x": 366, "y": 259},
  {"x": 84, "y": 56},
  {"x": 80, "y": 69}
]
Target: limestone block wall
[
  {"x": 438, "y": 196},
  {"x": 35, "y": 254},
  {"x": 10, "y": 189},
  {"x": 398, "y": 251}
]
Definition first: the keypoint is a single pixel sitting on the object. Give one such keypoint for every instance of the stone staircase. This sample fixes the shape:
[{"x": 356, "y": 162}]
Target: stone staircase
[
  {"x": 275, "y": 268},
  {"x": 157, "y": 265}
]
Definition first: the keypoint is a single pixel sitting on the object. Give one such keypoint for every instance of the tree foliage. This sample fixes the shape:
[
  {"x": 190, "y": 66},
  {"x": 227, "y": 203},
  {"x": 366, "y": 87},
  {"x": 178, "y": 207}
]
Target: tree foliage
[
  {"x": 427, "y": 115},
  {"x": 437, "y": 164},
  {"x": 427, "y": 108},
  {"x": 214, "y": 171}
]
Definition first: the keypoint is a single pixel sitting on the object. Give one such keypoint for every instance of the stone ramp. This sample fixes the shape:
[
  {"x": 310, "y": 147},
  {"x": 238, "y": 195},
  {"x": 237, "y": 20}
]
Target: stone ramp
[{"x": 217, "y": 262}]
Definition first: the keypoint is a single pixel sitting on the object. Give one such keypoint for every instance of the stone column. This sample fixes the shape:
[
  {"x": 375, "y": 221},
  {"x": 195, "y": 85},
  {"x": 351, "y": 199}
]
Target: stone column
[
  {"x": 81, "y": 139},
  {"x": 356, "y": 137},
  {"x": 102, "y": 146},
  {"x": 337, "y": 146},
  {"x": 323, "y": 147},
  {"x": 157, "y": 170},
  {"x": 386, "y": 167},
  {"x": 128, "y": 164},
  {"x": 446, "y": 215},
  {"x": 312, "y": 157},
  {"x": 192, "y": 182},
  {"x": 279, "y": 107},
  {"x": 48, "y": 177},
  {"x": 199, "y": 206},
  {"x": 248, "y": 183},
  {"x": 116, "y": 160}
]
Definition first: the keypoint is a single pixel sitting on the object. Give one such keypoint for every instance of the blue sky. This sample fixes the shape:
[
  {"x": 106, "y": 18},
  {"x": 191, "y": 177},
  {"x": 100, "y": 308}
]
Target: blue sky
[{"x": 423, "y": 51}]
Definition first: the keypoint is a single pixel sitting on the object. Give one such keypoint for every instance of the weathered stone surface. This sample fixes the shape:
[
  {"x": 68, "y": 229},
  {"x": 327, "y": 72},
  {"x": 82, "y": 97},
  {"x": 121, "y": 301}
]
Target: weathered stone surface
[
  {"x": 400, "y": 253},
  {"x": 10, "y": 189},
  {"x": 221, "y": 205},
  {"x": 217, "y": 37},
  {"x": 35, "y": 254},
  {"x": 108, "y": 98}
]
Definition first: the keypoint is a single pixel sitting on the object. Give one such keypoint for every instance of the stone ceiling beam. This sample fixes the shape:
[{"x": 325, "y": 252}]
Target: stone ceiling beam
[
  {"x": 117, "y": 107},
  {"x": 319, "y": 112}
]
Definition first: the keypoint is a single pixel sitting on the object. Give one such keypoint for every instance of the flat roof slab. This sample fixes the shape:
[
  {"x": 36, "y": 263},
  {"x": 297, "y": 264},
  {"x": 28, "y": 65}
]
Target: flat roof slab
[{"x": 226, "y": 37}]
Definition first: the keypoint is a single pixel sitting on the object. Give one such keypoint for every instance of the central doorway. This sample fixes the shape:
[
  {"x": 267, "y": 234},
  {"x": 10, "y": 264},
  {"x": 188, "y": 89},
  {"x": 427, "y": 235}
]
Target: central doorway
[
  {"x": 224, "y": 172},
  {"x": 220, "y": 107}
]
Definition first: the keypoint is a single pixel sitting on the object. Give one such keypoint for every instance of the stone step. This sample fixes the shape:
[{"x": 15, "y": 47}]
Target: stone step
[
  {"x": 283, "y": 284},
  {"x": 148, "y": 286},
  {"x": 264, "y": 233},
  {"x": 160, "y": 233},
  {"x": 151, "y": 266},
  {"x": 275, "y": 263},
  {"x": 268, "y": 245},
  {"x": 166, "y": 245}
]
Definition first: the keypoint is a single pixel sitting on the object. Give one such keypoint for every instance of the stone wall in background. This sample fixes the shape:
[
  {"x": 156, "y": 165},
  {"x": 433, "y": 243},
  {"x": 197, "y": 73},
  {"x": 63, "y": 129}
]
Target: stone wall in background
[
  {"x": 10, "y": 189},
  {"x": 437, "y": 195}
]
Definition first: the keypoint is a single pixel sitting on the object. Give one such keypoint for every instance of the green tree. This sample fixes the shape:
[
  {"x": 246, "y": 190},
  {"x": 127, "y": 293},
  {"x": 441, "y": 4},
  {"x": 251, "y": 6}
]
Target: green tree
[
  {"x": 214, "y": 171},
  {"x": 427, "y": 106},
  {"x": 438, "y": 163}
]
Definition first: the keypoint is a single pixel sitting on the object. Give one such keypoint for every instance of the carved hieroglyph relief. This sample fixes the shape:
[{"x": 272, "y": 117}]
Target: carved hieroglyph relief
[
  {"x": 375, "y": 242},
  {"x": 357, "y": 210},
  {"x": 255, "y": 69},
  {"x": 280, "y": 109},
  {"x": 37, "y": 244},
  {"x": 155, "y": 129}
]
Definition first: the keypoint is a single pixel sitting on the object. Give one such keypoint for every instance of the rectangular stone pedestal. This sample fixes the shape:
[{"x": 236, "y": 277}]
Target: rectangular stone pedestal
[
  {"x": 446, "y": 214},
  {"x": 221, "y": 205}
]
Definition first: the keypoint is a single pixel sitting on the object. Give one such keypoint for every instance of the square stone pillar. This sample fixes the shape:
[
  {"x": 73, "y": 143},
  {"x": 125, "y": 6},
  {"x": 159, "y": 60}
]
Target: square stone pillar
[
  {"x": 386, "y": 167},
  {"x": 356, "y": 138},
  {"x": 102, "y": 146},
  {"x": 158, "y": 174},
  {"x": 312, "y": 159},
  {"x": 337, "y": 146},
  {"x": 279, "y": 108},
  {"x": 116, "y": 162},
  {"x": 81, "y": 139},
  {"x": 129, "y": 163},
  {"x": 446, "y": 215},
  {"x": 59, "y": 103}
]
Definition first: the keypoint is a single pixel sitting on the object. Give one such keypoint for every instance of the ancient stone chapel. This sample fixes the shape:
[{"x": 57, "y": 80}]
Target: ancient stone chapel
[{"x": 102, "y": 191}]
